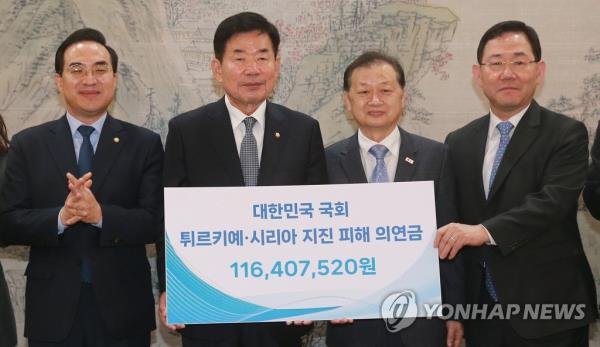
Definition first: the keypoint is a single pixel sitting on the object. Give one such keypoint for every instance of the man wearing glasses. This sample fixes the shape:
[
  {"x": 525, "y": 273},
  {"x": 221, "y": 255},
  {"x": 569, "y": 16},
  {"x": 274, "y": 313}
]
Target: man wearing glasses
[
  {"x": 85, "y": 192},
  {"x": 519, "y": 171}
]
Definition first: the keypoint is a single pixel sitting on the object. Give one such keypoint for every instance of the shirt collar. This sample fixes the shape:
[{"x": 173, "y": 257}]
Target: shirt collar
[
  {"x": 392, "y": 142},
  {"x": 238, "y": 116},
  {"x": 74, "y": 123},
  {"x": 514, "y": 120}
]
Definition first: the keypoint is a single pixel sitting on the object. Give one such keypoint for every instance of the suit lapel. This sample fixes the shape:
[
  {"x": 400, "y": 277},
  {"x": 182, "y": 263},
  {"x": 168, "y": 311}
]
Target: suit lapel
[
  {"x": 224, "y": 143},
  {"x": 112, "y": 139},
  {"x": 407, "y": 158},
  {"x": 272, "y": 145},
  {"x": 526, "y": 132},
  {"x": 479, "y": 137},
  {"x": 351, "y": 162},
  {"x": 61, "y": 147}
]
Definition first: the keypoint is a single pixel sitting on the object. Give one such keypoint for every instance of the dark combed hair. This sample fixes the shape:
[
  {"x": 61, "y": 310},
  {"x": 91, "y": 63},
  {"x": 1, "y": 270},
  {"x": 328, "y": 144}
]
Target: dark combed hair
[
  {"x": 511, "y": 26},
  {"x": 85, "y": 34},
  {"x": 242, "y": 23},
  {"x": 372, "y": 58},
  {"x": 3, "y": 137}
]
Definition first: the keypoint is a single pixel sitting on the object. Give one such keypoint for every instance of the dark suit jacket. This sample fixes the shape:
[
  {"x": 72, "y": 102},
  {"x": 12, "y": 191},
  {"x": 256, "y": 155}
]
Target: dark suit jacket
[
  {"x": 430, "y": 162},
  {"x": 2, "y": 169},
  {"x": 201, "y": 152},
  {"x": 127, "y": 184},
  {"x": 8, "y": 334},
  {"x": 591, "y": 192},
  {"x": 531, "y": 213}
]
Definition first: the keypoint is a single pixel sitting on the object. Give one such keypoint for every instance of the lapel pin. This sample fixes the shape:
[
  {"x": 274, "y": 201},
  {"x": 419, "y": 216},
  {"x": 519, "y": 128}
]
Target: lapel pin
[
  {"x": 116, "y": 140},
  {"x": 277, "y": 135},
  {"x": 408, "y": 160}
]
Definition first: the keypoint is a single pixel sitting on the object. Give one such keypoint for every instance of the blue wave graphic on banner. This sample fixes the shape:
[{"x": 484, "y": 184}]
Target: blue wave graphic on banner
[{"x": 191, "y": 300}]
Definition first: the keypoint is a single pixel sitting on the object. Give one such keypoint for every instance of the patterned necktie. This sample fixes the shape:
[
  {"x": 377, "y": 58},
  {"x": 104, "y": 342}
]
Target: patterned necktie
[
  {"x": 84, "y": 165},
  {"x": 504, "y": 128},
  {"x": 489, "y": 284},
  {"x": 86, "y": 151},
  {"x": 249, "y": 154},
  {"x": 380, "y": 173}
]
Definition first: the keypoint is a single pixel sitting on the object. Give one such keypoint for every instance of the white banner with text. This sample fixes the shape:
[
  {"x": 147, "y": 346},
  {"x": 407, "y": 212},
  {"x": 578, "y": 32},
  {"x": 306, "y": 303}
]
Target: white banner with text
[{"x": 255, "y": 254}]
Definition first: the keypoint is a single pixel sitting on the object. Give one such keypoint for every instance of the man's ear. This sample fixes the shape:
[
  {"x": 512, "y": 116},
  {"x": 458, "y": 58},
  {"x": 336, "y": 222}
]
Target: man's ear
[
  {"x": 277, "y": 66},
  {"x": 58, "y": 80},
  {"x": 216, "y": 69},
  {"x": 476, "y": 70},
  {"x": 347, "y": 102},
  {"x": 541, "y": 71}
]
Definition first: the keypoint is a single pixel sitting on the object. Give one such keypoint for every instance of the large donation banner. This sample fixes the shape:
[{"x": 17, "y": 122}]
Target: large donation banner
[{"x": 255, "y": 254}]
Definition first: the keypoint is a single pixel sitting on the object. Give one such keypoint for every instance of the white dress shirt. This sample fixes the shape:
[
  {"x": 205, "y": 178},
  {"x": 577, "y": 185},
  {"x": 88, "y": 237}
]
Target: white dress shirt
[
  {"x": 492, "y": 143},
  {"x": 491, "y": 147},
  {"x": 239, "y": 128},
  {"x": 392, "y": 142},
  {"x": 74, "y": 124}
]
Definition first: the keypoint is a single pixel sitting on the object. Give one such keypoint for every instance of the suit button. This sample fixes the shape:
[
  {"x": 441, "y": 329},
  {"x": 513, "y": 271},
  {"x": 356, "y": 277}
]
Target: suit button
[{"x": 116, "y": 240}]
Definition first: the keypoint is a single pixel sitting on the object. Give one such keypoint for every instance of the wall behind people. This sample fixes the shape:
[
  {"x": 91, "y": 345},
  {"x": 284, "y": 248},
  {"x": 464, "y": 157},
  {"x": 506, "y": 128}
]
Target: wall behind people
[{"x": 165, "y": 48}]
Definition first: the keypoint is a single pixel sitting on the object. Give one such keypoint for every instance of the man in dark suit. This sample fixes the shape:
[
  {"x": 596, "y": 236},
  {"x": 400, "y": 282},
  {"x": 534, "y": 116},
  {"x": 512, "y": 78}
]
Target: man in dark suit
[
  {"x": 8, "y": 331},
  {"x": 591, "y": 192},
  {"x": 243, "y": 140},
  {"x": 519, "y": 171},
  {"x": 88, "y": 278},
  {"x": 380, "y": 151}
]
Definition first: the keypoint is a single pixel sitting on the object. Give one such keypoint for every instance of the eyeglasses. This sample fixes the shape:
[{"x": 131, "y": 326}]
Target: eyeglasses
[
  {"x": 97, "y": 70},
  {"x": 515, "y": 66}
]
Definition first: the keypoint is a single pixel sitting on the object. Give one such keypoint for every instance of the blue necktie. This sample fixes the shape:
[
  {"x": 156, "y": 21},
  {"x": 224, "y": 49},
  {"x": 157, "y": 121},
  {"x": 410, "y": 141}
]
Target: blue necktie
[
  {"x": 504, "y": 128},
  {"x": 84, "y": 165},
  {"x": 86, "y": 151},
  {"x": 249, "y": 154},
  {"x": 380, "y": 173}
]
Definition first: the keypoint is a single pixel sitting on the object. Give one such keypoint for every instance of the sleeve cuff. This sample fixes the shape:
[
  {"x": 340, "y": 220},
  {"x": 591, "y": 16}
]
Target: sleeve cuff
[
  {"x": 99, "y": 224},
  {"x": 491, "y": 242},
  {"x": 60, "y": 226}
]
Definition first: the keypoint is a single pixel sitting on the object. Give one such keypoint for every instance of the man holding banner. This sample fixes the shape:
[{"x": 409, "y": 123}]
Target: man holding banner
[
  {"x": 243, "y": 140},
  {"x": 381, "y": 151},
  {"x": 520, "y": 170}
]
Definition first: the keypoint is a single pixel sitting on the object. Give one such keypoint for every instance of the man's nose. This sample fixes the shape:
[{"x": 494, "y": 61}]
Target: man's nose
[
  {"x": 507, "y": 71},
  {"x": 252, "y": 68},
  {"x": 375, "y": 99},
  {"x": 88, "y": 77}
]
